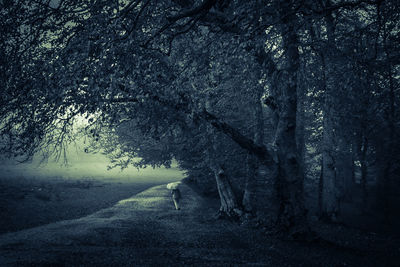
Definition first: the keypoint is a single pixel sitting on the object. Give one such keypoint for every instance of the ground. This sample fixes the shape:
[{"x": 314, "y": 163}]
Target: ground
[
  {"x": 34, "y": 201},
  {"x": 146, "y": 230}
]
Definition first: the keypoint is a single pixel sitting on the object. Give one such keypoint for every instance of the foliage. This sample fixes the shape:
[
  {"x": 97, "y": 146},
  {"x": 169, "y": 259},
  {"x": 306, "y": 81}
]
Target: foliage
[{"x": 152, "y": 78}]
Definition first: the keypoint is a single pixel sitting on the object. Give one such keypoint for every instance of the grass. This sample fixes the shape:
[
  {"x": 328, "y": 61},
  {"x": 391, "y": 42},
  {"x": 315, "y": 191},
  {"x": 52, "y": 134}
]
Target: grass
[
  {"x": 120, "y": 221},
  {"x": 31, "y": 196},
  {"x": 146, "y": 230}
]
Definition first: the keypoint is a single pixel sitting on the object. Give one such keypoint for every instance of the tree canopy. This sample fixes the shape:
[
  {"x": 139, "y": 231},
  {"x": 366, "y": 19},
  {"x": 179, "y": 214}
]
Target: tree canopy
[{"x": 215, "y": 84}]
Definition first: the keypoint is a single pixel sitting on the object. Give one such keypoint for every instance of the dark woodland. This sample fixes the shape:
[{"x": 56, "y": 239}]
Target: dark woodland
[{"x": 284, "y": 112}]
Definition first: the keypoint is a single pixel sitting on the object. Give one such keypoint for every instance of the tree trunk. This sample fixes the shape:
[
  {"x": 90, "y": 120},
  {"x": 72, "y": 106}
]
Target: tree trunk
[
  {"x": 330, "y": 197},
  {"x": 385, "y": 178},
  {"x": 229, "y": 205},
  {"x": 320, "y": 192},
  {"x": 344, "y": 163},
  {"x": 292, "y": 213},
  {"x": 330, "y": 203},
  {"x": 364, "y": 173},
  {"x": 300, "y": 125},
  {"x": 253, "y": 164},
  {"x": 249, "y": 195}
]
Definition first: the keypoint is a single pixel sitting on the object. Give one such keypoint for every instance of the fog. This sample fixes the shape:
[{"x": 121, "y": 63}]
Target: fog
[{"x": 85, "y": 165}]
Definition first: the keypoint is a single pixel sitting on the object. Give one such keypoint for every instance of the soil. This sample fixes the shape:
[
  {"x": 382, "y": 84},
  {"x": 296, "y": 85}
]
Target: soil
[{"x": 146, "y": 230}]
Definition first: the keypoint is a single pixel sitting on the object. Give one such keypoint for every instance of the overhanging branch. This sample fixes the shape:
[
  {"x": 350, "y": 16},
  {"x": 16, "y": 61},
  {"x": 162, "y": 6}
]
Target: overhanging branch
[{"x": 260, "y": 151}]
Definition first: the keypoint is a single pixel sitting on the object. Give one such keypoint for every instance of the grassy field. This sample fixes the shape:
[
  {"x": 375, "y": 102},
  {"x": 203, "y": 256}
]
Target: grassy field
[{"x": 33, "y": 195}]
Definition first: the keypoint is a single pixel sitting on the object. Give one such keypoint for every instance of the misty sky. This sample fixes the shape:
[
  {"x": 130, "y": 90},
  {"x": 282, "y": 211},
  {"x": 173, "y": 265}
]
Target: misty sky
[{"x": 81, "y": 164}]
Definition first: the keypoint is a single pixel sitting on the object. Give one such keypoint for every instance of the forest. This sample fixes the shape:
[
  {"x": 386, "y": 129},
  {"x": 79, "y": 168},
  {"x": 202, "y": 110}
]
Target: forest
[{"x": 287, "y": 111}]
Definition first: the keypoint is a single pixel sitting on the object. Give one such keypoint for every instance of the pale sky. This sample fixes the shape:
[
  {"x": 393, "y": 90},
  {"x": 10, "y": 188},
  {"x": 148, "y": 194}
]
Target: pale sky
[{"x": 84, "y": 165}]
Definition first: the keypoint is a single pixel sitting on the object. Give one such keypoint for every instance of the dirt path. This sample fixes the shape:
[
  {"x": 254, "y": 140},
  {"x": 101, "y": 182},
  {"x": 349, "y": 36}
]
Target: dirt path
[
  {"x": 31, "y": 204},
  {"x": 145, "y": 230}
]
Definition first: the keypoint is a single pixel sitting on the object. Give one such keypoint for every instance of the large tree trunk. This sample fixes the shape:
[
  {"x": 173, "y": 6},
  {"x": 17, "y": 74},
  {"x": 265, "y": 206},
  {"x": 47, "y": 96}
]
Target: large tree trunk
[
  {"x": 229, "y": 205},
  {"x": 300, "y": 125},
  {"x": 330, "y": 203},
  {"x": 329, "y": 185},
  {"x": 249, "y": 195},
  {"x": 292, "y": 213},
  {"x": 383, "y": 180},
  {"x": 344, "y": 165},
  {"x": 253, "y": 164},
  {"x": 388, "y": 152},
  {"x": 387, "y": 179}
]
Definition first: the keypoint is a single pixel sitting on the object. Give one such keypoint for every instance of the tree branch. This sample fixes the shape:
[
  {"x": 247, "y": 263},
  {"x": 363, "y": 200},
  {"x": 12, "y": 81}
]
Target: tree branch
[
  {"x": 204, "y": 7},
  {"x": 260, "y": 151}
]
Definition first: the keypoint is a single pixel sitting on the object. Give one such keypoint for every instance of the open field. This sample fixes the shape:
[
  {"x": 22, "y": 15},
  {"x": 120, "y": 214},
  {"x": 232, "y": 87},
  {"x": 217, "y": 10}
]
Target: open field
[{"x": 31, "y": 196}]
